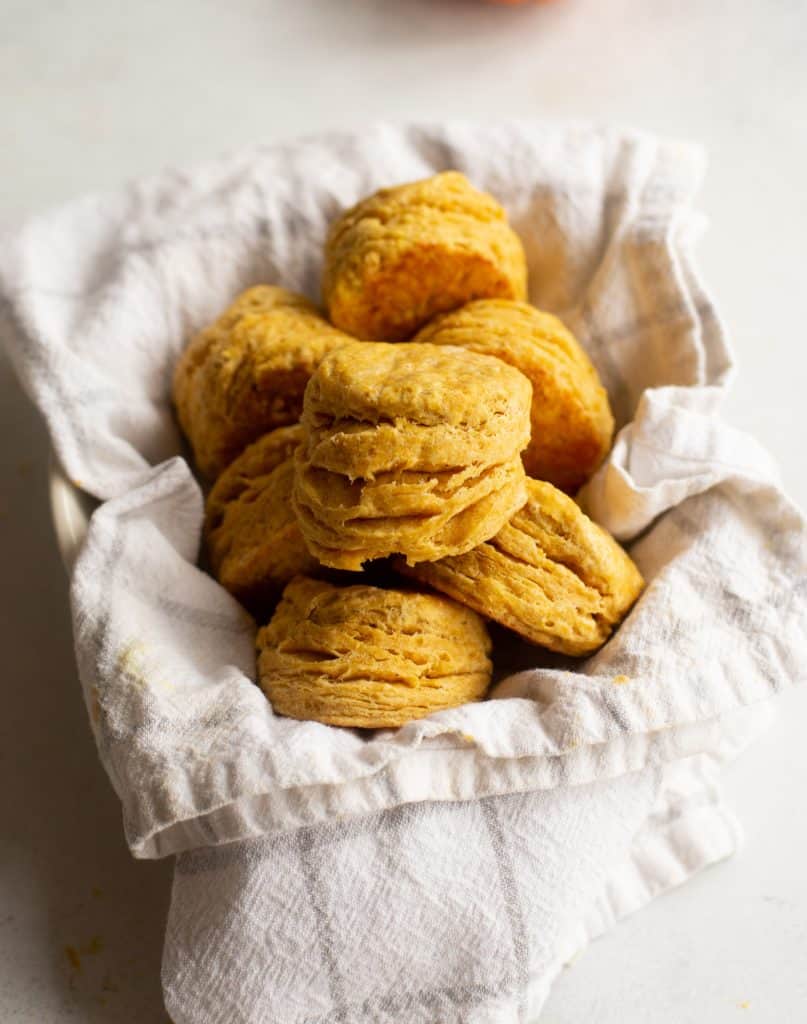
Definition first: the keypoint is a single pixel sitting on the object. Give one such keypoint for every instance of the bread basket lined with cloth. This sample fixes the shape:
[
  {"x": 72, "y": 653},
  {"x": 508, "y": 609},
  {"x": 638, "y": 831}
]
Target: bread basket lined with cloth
[{"x": 443, "y": 871}]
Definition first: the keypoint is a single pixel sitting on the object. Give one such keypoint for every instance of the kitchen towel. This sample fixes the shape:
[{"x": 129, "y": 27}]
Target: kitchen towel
[
  {"x": 433, "y": 913},
  {"x": 97, "y": 301}
]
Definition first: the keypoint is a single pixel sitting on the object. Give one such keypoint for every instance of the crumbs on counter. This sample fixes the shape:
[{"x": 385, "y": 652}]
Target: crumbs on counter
[
  {"x": 75, "y": 953},
  {"x": 73, "y": 957}
]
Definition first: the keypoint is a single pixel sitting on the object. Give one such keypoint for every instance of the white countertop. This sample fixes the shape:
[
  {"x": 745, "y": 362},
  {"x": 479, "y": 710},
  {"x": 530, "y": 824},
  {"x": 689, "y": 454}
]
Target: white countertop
[{"x": 93, "y": 93}]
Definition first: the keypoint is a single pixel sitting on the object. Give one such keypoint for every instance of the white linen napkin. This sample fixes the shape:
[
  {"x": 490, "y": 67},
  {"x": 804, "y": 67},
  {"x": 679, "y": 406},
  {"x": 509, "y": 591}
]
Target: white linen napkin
[
  {"x": 597, "y": 776},
  {"x": 431, "y": 913}
]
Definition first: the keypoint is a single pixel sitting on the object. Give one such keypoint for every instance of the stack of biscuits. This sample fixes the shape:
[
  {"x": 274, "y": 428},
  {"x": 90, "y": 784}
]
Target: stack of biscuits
[{"x": 391, "y": 475}]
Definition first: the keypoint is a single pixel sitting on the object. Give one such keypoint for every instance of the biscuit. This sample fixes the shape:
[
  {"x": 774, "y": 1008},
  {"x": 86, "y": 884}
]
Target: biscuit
[
  {"x": 406, "y": 253},
  {"x": 409, "y": 449},
  {"x": 370, "y": 658},
  {"x": 572, "y": 425},
  {"x": 550, "y": 574},
  {"x": 246, "y": 373},
  {"x": 253, "y": 541}
]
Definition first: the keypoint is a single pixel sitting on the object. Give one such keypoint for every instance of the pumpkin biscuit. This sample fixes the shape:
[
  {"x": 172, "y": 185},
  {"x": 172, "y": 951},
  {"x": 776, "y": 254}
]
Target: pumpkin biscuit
[
  {"x": 246, "y": 373},
  {"x": 253, "y": 540},
  {"x": 406, "y": 253},
  {"x": 370, "y": 658},
  {"x": 572, "y": 425},
  {"x": 409, "y": 449},
  {"x": 550, "y": 574}
]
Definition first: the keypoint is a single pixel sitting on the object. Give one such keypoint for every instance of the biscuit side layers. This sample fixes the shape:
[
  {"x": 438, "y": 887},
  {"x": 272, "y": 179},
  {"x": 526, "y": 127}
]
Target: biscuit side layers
[
  {"x": 410, "y": 449},
  {"x": 404, "y": 254},
  {"x": 246, "y": 373},
  {"x": 550, "y": 574},
  {"x": 253, "y": 540},
  {"x": 365, "y": 657},
  {"x": 572, "y": 424}
]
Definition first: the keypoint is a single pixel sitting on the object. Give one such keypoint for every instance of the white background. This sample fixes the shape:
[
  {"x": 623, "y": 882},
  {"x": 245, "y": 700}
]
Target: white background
[{"x": 93, "y": 92}]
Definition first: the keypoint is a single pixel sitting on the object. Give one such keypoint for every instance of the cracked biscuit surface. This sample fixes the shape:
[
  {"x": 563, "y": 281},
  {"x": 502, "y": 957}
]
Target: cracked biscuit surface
[
  {"x": 370, "y": 658},
  {"x": 550, "y": 574},
  {"x": 245, "y": 374},
  {"x": 409, "y": 449},
  {"x": 253, "y": 540},
  {"x": 404, "y": 254},
  {"x": 572, "y": 425}
]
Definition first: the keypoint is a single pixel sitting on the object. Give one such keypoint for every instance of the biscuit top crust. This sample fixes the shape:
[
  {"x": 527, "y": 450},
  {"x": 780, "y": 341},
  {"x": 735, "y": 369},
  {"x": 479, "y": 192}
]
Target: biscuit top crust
[
  {"x": 261, "y": 298},
  {"x": 291, "y": 323},
  {"x": 515, "y": 331},
  {"x": 450, "y": 194},
  {"x": 428, "y": 385}
]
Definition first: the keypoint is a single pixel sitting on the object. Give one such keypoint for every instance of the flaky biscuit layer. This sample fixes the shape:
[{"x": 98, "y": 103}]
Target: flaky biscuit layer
[
  {"x": 425, "y": 516},
  {"x": 550, "y": 574},
  {"x": 410, "y": 449},
  {"x": 371, "y": 658}
]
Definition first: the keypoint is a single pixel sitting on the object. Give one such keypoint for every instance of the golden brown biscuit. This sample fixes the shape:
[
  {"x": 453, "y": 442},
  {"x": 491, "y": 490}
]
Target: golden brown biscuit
[
  {"x": 246, "y": 373},
  {"x": 409, "y": 449},
  {"x": 253, "y": 540},
  {"x": 572, "y": 423},
  {"x": 370, "y": 658},
  {"x": 406, "y": 253},
  {"x": 550, "y": 574}
]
